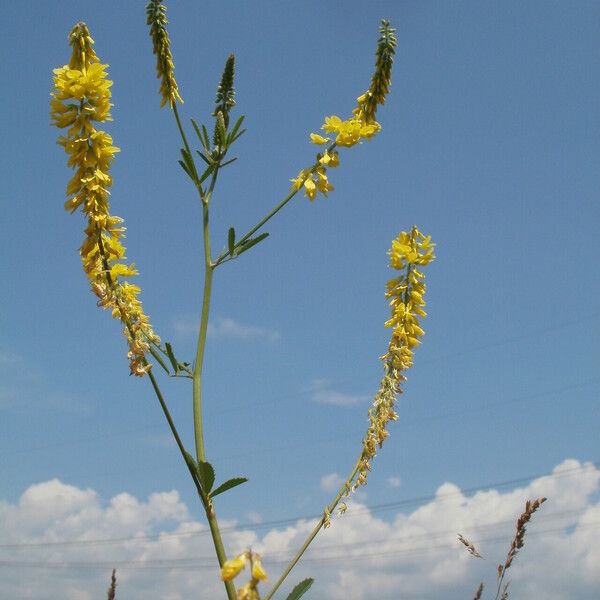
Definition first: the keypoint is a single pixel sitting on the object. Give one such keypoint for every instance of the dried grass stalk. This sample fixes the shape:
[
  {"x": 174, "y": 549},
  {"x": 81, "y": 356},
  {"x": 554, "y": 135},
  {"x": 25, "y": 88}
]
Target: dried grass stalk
[
  {"x": 112, "y": 590},
  {"x": 530, "y": 507},
  {"x": 469, "y": 546}
]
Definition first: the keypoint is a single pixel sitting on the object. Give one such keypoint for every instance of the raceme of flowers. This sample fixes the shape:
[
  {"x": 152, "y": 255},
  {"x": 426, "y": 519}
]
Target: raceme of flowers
[
  {"x": 156, "y": 17},
  {"x": 361, "y": 126},
  {"x": 81, "y": 98},
  {"x": 409, "y": 252},
  {"x": 232, "y": 568}
]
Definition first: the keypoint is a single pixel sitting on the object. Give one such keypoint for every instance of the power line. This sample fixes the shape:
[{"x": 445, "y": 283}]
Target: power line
[
  {"x": 290, "y": 520},
  {"x": 307, "y": 391},
  {"x": 196, "y": 565}
]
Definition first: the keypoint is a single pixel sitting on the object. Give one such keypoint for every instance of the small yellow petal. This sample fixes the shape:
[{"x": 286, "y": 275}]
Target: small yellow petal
[
  {"x": 232, "y": 567},
  {"x": 258, "y": 572},
  {"x": 315, "y": 138}
]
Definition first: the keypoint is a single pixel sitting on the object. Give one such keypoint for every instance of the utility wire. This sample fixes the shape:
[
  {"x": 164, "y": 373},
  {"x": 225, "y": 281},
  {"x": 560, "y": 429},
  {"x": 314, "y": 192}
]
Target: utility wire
[
  {"x": 196, "y": 565},
  {"x": 590, "y": 465}
]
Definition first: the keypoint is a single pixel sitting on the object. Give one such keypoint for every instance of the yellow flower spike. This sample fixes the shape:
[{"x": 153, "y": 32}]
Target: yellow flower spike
[
  {"x": 258, "y": 572},
  {"x": 315, "y": 138},
  {"x": 81, "y": 99},
  {"x": 232, "y": 568},
  {"x": 405, "y": 293}
]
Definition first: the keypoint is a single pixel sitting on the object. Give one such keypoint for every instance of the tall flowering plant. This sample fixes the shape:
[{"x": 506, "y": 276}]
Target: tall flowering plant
[{"x": 80, "y": 105}]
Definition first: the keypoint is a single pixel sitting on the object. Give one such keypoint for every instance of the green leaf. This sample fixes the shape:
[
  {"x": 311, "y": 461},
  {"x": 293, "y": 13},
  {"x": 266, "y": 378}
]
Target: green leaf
[
  {"x": 208, "y": 161},
  {"x": 300, "y": 589},
  {"x": 199, "y": 133},
  {"x": 189, "y": 161},
  {"x": 232, "y": 135},
  {"x": 191, "y": 463},
  {"x": 228, "y": 162},
  {"x": 208, "y": 171},
  {"x": 184, "y": 167},
  {"x": 239, "y": 135},
  {"x": 172, "y": 358},
  {"x": 231, "y": 240},
  {"x": 230, "y": 483},
  {"x": 252, "y": 242},
  {"x": 206, "y": 138},
  {"x": 206, "y": 475},
  {"x": 159, "y": 359}
]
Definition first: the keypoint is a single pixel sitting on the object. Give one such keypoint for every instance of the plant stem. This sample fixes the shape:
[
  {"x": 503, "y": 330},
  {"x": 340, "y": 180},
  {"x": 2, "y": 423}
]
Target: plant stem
[
  {"x": 199, "y": 361},
  {"x": 222, "y": 257},
  {"x": 207, "y": 502},
  {"x": 343, "y": 490},
  {"x": 254, "y": 229}
]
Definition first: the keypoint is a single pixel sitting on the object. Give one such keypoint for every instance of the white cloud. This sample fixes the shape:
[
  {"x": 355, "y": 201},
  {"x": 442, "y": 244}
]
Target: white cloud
[
  {"x": 393, "y": 482},
  {"x": 161, "y": 552},
  {"x": 331, "y": 482},
  {"x": 254, "y": 517},
  {"x": 226, "y": 327},
  {"x": 323, "y": 394}
]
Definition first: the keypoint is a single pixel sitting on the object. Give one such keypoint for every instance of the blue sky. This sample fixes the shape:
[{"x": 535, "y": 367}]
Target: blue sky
[{"x": 489, "y": 143}]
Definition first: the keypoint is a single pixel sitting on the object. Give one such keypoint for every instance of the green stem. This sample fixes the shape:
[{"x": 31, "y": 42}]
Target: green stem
[
  {"x": 343, "y": 490},
  {"x": 199, "y": 361},
  {"x": 223, "y": 256},
  {"x": 206, "y": 501},
  {"x": 254, "y": 229}
]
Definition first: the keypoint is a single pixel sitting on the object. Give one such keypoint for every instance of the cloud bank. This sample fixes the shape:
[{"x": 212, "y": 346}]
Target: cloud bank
[{"x": 60, "y": 541}]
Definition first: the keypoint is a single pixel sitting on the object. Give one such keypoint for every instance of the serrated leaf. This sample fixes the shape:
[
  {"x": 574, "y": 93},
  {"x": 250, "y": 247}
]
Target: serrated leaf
[
  {"x": 159, "y": 359},
  {"x": 231, "y": 240},
  {"x": 300, "y": 589},
  {"x": 206, "y": 475},
  {"x": 230, "y": 483},
  {"x": 171, "y": 356},
  {"x": 252, "y": 242}
]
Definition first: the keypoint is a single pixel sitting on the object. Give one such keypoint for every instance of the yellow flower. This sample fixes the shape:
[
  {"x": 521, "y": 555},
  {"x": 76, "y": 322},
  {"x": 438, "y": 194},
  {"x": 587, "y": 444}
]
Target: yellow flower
[
  {"x": 405, "y": 292},
  {"x": 332, "y": 124},
  {"x": 361, "y": 125},
  {"x": 330, "y": 159},
  {"x": 315, "y": 138},
  {"x": 233, "y": 567},
  {"x": 297, "y": 182},
  {"x": 81, "y": 98},
  {"x": 310, "y": 189},
  {"x": 258, "y": 572},
  {"x": 248, "y": 592}
]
